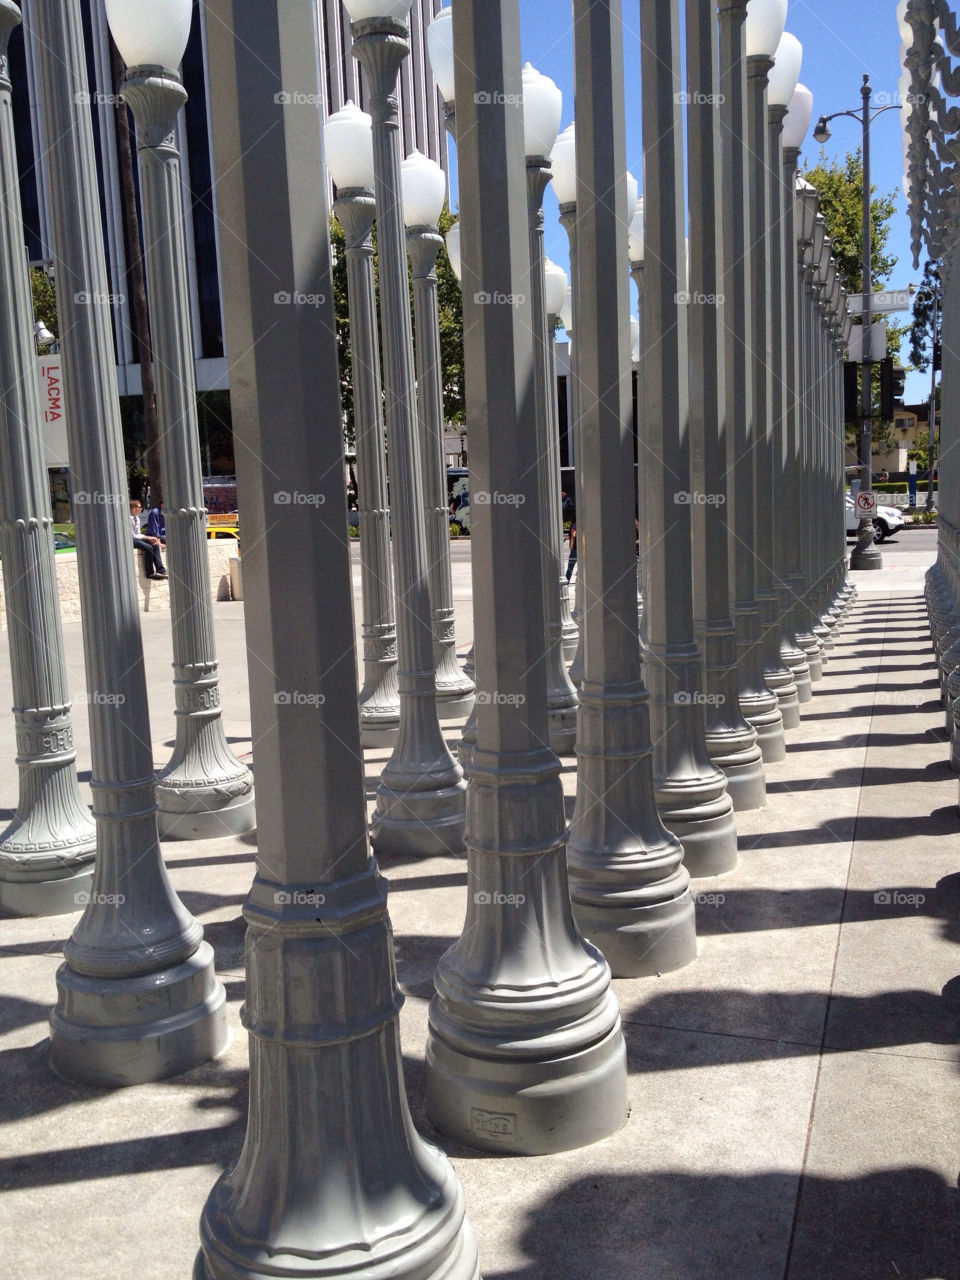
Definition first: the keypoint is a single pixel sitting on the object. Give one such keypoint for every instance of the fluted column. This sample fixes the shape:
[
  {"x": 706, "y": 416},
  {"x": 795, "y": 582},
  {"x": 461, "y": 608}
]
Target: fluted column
[
  {"x": 691, "y": 790},
  {"x": 333, "y": 1179},
  {"x": 204, "y": 791},
  {"x": 455, "y": 691},
  {"x": 420, "y": 799},
  {"x": 731, "y": 741},
  {"x": 766, "y": 396},
  {"x": 562, "y": 698},
  {"x": 137, "y": 997},
  {"x": 46, "y": 852},
  {"x": 758, "y": 703},
  {"x": 630, "y": 892},
  {"x": 525, "y": 1052},
  {"x": 379, "y": 698}
]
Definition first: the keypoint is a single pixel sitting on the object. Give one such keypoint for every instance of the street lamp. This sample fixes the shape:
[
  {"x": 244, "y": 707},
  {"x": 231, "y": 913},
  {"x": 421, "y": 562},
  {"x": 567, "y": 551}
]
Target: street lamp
[
  {"x": 542, "y": 105},
  {"x": 137, "y": 995},
  {"x": 47, "y": 851},
  {"x": 420, "y": 799},
  {"x": 865, "y": 554},
  {"x": 424, "y": 187},
  {"x": 204, "y": 791},
  {"x": 440, "y": 53},
  {"x": 764, "y": 239},
  {"x": 348, "y": 147}
]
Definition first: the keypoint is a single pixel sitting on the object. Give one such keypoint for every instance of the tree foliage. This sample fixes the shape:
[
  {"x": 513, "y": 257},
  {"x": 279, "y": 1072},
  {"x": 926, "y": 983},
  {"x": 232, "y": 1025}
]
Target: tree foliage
[
  {"x": 839, "y": 184},
  {"x": 450, "y": 304},
  {"x": 44, "y": 299},
  {"x": 928, "y": 298}
]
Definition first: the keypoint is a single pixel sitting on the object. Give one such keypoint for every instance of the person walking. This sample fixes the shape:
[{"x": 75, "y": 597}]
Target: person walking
[{"x": 149, "y": 544}]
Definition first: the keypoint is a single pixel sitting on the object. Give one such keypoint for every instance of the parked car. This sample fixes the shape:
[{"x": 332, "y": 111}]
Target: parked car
[{"x": 887, "y": 522}]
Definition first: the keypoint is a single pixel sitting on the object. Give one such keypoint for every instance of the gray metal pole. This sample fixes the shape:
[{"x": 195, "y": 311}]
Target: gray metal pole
[
  {"x": 379, "y": 698},
  {"x": 525, "y": 1053},
  {"x": 569, "y": 631},
  {"x": 545, "y": 518},
  {"x": 421, "y": 796},
  {"x": 758, "y": 703},
  {"x": 455, "y": 692},
  {"x": 46, "y": 852},
  {"x": 568, "y": 220},
  {"x": 731, "y": 742},
  {"x": 630, "y": 891},
  {"x": 204, "y": 791},
  {"x": 691, "y": 790},
  {"x": 332, "y": 1178},
  {"x": 135, "y": 938},
  {"x": 865, "y": 554},
  {"x": 775, "y": 674},
  {"x": 785, "y": 476},
  {"x": 932, "y": 427}
]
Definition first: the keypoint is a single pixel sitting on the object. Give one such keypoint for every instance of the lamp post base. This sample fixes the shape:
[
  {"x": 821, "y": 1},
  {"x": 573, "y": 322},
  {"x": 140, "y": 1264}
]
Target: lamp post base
[
  {"x": 454, "y": 707},
  {"x": 643, "y": 931},
  {"x": 205, "y": 822},
  {"x": 548, "y": 1100},
  {"x": 704, "y": 825},
  {"x": 420, "y": 824},
  {"x": 111, "y": 1032},
  {"x": 743, "y": 769},
  {"x": 374, "y": 736},
  {"x": 49, "y": 896},
  {"x": 780, "y": 680}
]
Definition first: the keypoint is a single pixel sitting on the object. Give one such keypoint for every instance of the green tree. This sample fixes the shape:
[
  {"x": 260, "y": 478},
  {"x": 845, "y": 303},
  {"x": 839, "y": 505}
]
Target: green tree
[
  {"x": 928, "y": 299},
  {"x": 839, "y": 184},
  {"x": 44, "y": 299}
]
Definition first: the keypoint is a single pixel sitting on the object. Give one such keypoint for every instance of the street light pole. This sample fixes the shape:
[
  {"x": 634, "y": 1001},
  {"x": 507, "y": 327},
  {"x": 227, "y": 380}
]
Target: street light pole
[
  {"x": 420, "y": 799},
  {"x": 204, "y": 791},
  {"x": 865, "y": 554},
  {"x": 46, "y": 852},
  {"x": 932, "y": 438}
]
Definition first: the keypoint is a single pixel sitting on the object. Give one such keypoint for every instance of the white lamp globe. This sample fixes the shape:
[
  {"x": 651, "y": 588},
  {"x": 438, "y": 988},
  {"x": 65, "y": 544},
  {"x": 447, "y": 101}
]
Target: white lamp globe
[
  {"x": 634, "y": 339},
  {"x": 635, "y": 234},
  {"x": 440, "y": 52},
  {"x": 555, "y": 287},
  {"x": 633, "y": 191},
  {"x": 348, "y": 147},
  {"x": 764, "y": 26},
  {"x": 906, "y": 34},
  {"x": 566, "y": 311},
  {"x": 563, "y": 162},
  {"x": 542, "y": 105},
  {"x": 797, "y": 120},
  {"x": 786, "y": 70},
  {"x": 453, "y": 248},
  {"x": 423, "y": 187},
  {"x": 363, "y": 10},
  {"x": 150, "y": 33}
]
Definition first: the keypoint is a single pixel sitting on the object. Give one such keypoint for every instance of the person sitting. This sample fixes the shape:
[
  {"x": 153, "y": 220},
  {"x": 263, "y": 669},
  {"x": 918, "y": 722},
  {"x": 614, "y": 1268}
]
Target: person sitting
[
  {"x": 148, "y": 544},
  {"x": 884, "y": 475},
  {"x": 156, "y": 527}
]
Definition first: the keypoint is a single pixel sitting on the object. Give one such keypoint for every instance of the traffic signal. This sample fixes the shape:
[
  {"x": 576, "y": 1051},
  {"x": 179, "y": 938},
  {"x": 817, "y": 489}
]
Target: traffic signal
[
  {"x": 851, "y": 391},
  {"x": 937, "y": 363},
  {"x": 892, "y": 380}
]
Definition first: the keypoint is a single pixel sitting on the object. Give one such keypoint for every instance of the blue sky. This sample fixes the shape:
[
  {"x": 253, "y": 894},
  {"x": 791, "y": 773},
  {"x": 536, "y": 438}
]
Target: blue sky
[{"x": 841, "y": 41}]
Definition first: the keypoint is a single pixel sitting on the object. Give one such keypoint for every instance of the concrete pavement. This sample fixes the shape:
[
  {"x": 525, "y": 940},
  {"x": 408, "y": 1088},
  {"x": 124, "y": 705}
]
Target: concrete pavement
[{"x": 794, "y": 1092}]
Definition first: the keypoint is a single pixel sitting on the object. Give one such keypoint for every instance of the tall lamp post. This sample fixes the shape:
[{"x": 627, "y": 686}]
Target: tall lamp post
[
  {"x": 421, "y": 796},
  {"x": 204, "y": 791},
  {"x": 542, "y": 104},
  {"x": 865, "y": 554},
  {"x": 348, "y": 148},
  {"x": 137, "y": 995},
  {"x": 424, "y": 186},
  {"x": 46, "y": 852}
]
